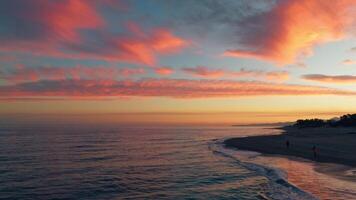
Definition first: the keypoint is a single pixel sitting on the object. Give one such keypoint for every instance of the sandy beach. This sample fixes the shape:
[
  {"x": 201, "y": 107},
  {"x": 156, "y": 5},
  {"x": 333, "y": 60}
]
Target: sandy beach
[{"x": 333, "y": 145}]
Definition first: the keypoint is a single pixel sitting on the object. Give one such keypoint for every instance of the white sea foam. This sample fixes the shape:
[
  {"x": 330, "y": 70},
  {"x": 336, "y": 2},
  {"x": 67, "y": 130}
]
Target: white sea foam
[{"x": 279, "y": 188}]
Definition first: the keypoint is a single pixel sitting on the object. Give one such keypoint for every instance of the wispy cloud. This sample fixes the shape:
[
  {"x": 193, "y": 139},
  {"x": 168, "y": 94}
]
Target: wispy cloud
[
  {"x": 342, "y": 79},
  {"x": 349, "y": 62},
  {"x": 201, "y": 71},
  {"x": 174, "y": 88},
  {"x": 79, "y": 72},
  {"x": 205, "y": 72}
]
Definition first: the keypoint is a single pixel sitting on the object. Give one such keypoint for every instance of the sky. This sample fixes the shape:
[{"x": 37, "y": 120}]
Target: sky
[{"x": 176, "y": 62}]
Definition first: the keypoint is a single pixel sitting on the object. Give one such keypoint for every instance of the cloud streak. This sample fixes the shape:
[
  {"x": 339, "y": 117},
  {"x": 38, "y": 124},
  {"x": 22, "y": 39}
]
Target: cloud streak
[
  {"x": 349, "y": 62},
  {"x": 340, "y": 79},
  {"x": 205, "y": 72},
  {"x": 22, "y": 74},
  {"x": 173, "y": 88}
]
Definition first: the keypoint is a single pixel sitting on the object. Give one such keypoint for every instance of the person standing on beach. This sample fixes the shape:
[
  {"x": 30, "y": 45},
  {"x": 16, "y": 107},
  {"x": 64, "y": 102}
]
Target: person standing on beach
[
  {"x": 314, "y": 151},
  {"x": 287, "y": 144}
]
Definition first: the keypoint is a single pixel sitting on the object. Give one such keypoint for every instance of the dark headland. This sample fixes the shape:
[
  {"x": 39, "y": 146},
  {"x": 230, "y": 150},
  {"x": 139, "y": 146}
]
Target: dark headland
[{"x": 334, "y": 141}]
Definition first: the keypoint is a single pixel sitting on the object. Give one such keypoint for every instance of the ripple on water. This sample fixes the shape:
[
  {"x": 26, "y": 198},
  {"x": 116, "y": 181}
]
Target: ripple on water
[{"x": 131, "y": 163}]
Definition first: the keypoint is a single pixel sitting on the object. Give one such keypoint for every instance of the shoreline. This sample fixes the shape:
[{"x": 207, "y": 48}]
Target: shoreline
[{"x": 335, "y": 146}]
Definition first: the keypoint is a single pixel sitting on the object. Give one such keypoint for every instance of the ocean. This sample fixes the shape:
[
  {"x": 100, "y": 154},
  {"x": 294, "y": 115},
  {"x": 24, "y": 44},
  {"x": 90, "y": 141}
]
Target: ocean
[{"x": 142, "y": 162}]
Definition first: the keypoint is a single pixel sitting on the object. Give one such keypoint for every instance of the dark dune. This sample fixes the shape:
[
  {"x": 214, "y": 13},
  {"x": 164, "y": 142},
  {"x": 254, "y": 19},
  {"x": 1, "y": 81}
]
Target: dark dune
[{"x": 334, "y": 145}]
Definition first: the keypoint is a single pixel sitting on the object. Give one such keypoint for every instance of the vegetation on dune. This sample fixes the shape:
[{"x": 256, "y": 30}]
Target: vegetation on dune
[{"x": 348, "y": 120}]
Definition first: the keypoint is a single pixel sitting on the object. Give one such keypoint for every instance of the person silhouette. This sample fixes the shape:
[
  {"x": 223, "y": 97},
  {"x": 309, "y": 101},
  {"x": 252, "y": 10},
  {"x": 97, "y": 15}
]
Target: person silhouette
[
  {"x": 314, "y": 151},
  {"x": 287, "y": 144}
]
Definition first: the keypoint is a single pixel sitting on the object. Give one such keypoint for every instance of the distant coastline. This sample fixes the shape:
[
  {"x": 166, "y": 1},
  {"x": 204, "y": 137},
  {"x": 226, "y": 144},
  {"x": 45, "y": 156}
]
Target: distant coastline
[{"x": 266, "y": 124}]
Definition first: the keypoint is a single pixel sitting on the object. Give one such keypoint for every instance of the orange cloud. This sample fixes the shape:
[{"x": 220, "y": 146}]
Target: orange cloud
[
  {"x": 145, "y": 46},
  {"x": 342, "y": 79},
  {"x": 292, "y": 28},
  {"x": 165, "y": 42},
  {"x": 164, "y": 70},
  {"x": 349, "y": 62},
  {"x": 174, "y": 88},
  {"x": 205, "y": 72}
]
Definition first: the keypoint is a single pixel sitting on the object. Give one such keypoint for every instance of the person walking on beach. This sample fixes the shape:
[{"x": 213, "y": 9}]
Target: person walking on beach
[{"x": 314, "y": 151}]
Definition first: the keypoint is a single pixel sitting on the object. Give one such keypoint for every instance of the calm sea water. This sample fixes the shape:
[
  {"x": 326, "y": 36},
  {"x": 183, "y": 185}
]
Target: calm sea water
[{"x": 113, "y": 162}]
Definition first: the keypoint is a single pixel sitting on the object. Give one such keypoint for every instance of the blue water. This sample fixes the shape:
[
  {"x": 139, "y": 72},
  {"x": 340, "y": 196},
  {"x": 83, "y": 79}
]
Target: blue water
[{"x": 113, "y": 162}]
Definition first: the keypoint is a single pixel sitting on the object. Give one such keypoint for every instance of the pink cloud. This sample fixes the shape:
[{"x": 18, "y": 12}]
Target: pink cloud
[
  {"x": 69, "y": 17},
  {"x": 267, "y": 75},
  {"x": 164, "y": 71},
  {"x": 8, "y": 58},
  {"x": 293, "y": 28},
  {"x": 48, "y": 22},
  {"x": 144, "y": 47},
  {"x": 174, "y": 88},
  {"x": 75, "y": 29},
  {"x": 205, "y": 72},
  {"x": 340, "y": 79},
  {"x": 22, "y": 74},
  {"x": 202, "y": 71}
]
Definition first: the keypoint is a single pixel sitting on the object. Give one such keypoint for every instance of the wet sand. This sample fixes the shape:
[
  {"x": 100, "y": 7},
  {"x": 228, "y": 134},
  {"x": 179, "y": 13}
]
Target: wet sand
[{"x": 334, "y": 145}]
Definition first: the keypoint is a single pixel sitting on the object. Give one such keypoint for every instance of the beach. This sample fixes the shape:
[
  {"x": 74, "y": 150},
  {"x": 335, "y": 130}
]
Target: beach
[{"x": 333, "y": 144}]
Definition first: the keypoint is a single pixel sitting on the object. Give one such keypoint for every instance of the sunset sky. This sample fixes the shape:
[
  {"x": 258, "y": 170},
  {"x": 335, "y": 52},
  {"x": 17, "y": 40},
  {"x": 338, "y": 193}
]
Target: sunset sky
[{"x": 174, "y": 61}]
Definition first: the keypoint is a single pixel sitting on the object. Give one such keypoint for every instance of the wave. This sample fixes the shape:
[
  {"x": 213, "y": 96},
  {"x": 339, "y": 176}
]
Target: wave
[{"x": 279, "y": 188}]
